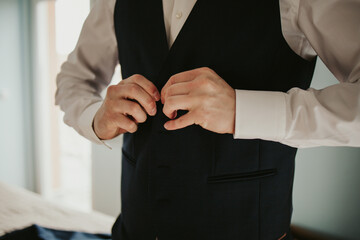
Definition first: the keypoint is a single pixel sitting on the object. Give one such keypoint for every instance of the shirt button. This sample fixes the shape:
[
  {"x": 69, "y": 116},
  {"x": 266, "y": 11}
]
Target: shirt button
[{"x": 178, "y": 15}]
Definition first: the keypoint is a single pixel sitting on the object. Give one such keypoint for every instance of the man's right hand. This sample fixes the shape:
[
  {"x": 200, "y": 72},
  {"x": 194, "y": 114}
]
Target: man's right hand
[{"x": 125, "y": 105}]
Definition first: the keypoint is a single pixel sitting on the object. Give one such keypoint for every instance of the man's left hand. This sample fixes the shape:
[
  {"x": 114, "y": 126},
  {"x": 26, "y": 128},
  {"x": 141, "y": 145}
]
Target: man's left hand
[{"x": 210, "y": 101}]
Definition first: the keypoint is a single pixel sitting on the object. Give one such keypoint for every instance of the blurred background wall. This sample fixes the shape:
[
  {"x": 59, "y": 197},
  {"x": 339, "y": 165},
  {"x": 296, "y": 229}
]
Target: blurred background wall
[
  {"x": 16, "y": 157},
  {"x": 40, "y": 153}
]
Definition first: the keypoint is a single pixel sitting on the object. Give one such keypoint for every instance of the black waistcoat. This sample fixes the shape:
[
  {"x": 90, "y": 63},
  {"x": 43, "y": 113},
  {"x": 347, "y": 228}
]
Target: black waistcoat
[{"x": 192, "y": 183}]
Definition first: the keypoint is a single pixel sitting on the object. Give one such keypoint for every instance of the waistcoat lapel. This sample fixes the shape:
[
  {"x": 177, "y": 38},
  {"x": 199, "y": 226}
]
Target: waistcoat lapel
[
  {"x": 147, "y": 26},
  {"x": 141, "y": 21}
]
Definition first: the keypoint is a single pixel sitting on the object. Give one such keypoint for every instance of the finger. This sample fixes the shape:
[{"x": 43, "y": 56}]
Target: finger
[
  {"x": 180, "y": 77},
  {"x": 123, "y": 122},
  {"x": 182, "y": 88},
  {"x": 127, "y": 107},
  {"x": 136, "y": 92},
  {"x": 182, "y": 122},
  {"x": 185, "y": 76},
  {"x": 174, "y": 103},
  {"x": 147, "y": 85},
  {"x": 134, "y": 110}
]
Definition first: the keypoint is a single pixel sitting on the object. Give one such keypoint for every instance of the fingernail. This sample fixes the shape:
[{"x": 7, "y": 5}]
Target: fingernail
[
  {"x": 157, "y": 96},
  {"x": 153, "y": 111},
  {"x": 166, "y": 125}
]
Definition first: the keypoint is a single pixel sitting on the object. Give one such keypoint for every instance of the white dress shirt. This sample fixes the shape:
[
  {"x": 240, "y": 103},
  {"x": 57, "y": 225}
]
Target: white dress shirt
[{"x": 299, "y": 118}]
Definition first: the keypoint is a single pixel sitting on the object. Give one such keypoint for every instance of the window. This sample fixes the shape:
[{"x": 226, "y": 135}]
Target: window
[{"x": 63, "y": 157}]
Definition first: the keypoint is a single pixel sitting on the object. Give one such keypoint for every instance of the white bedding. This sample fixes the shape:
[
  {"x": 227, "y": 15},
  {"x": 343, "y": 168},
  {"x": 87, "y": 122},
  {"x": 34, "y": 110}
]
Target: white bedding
[{"x": 20, "y": 208}]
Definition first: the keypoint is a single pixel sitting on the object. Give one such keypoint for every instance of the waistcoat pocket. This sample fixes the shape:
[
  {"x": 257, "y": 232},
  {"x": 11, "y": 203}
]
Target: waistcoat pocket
[{"x": 241, "y": 176}]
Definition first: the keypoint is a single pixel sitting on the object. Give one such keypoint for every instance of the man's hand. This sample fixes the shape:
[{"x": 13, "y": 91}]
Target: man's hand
[
  {"x": 210, "y": 101},
  {"x": 126, "y": 104}
]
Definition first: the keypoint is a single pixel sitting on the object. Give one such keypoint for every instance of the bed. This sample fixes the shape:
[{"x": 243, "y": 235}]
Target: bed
[{"x": 20, "y": 208}]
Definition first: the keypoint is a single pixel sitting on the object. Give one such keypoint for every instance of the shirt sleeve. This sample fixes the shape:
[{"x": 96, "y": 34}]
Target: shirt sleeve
[
  {"x": 88, "y": 70},
  {"x": 309, "y": 118}
]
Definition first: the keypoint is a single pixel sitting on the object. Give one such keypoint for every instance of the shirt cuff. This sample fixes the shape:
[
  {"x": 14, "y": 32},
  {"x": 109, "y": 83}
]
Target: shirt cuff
[
  {"x": 260, "y": 114},
  {"x": 86, "y": 124}
]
